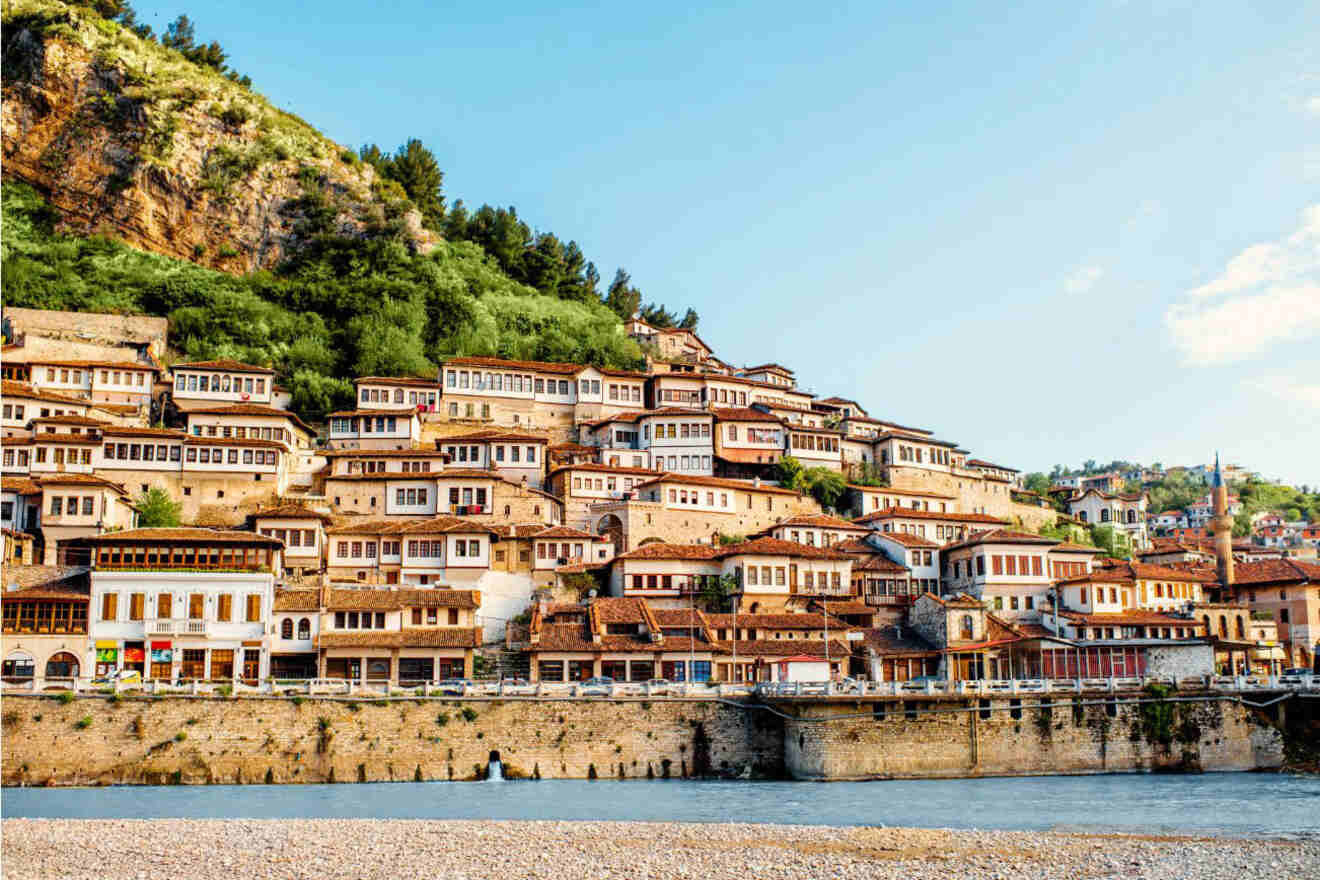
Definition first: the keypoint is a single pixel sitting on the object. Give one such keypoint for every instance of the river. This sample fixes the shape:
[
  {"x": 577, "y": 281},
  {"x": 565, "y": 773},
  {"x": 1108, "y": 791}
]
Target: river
[{"x": 1215, "y": 803}]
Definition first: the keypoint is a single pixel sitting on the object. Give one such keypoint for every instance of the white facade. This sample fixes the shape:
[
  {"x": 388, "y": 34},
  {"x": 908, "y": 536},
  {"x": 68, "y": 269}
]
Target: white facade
[
  {"x": 222, "y": 382},
  {"x": 194, "y": 619}
]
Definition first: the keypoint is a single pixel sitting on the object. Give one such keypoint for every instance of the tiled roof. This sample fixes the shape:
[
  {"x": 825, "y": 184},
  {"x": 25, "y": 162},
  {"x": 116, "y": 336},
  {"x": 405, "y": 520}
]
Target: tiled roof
[
  {"x": 297, "y": 600},
  {"x": 110, "y": 365},
  {"x": 210, "y": 536},
  {"x": 492, "y": 434},
  {"x": 500, "y": 363},
  {"x": 24, "y": 391},
  {"x": 619, "y": 610},
  {"x": 785, "y": 648},
  {"x": 393, "y": 600},
  {"x": 227, "y": 365},
  {"x": 750, "y": 456},
  {"x": 958, "y": 600},
  {"x": 736, "y": 414},
  {"x": 718, "y": 483},
  {"x": 890, "y": 640},
  {"x": 1146, "y": 571},
  {"x": 350, "y": 413},
  {"x": 77, "y": 480},
  {"x": 1274, "y": 571},
  {"x": 1003, "y": 536},
  {"x": 800, "y": 621},
  {"x": 856, "y": 546},
  {"x": 70, "y": 420},
  {"x": 511, "y": 531},
  {"x": 880, "y": 563},
  {"x": 594, "y": 468},
  {"x": 911, "y": 513},
  {"x": 838, "y": 607},
  {"x": 564, "y": 637},
  {"x": 412, "y": 525},
  {"x": 412, "y": 637},
  {"x": 20, "y": 485},
  {"x": 88, "y": 439},
  {"x": 250, "y": 409},
  {"x": 908, "y": 540},
  {"x": 660, "y": 550},
  {"x": 976, "y": 462},
  {"x": 888, "y": 490},
  {"x": 291, "y": 511},
  {"x": 417, "y": 381},
  {"x": 1070, "y": 547},
  {"x": 1133, "y": 617},
  {"x": 566, "y": 532},
  {"x": 818, "y": 521},
  {"x": 776, "y": 547}
]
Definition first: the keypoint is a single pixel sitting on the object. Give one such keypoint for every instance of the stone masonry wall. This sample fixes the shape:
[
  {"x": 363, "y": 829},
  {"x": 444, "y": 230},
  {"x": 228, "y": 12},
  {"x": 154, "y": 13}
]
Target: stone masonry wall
[
  {"x": 197, "y": 740},
  {"x": 897, "y": 739}
]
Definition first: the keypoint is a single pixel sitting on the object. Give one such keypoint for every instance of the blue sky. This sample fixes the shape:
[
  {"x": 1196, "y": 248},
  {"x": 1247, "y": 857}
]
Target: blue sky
[{"x": 1050, "y": 233}]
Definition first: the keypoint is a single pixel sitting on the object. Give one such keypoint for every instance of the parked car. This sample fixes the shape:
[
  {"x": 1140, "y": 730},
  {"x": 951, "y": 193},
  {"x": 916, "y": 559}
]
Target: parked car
[
  {"x": 595, "y": 687},
  {"x": 657, "y": 686},
  {"x": 1297, "y": 670},
  {"x": 454, "y": 687},
  {"x": 516, "y": 686}
]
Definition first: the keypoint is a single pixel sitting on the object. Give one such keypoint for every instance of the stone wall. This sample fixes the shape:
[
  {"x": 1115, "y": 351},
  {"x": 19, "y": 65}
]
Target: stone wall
[
  {"x": 203, "y": 740},
  {"x": 926, "y": 737},
  {"x": 973, "y": 494}
]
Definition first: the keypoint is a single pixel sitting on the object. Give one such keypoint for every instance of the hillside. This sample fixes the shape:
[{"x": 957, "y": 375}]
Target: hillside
[
  {"x": 137, "y": 180},
  {"x": 124, "y": 136}
]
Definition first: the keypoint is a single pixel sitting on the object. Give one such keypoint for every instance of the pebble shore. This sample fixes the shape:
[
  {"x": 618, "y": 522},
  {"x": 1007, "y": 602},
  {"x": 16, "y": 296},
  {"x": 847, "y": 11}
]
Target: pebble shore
[{"x": 46, "y": 849}]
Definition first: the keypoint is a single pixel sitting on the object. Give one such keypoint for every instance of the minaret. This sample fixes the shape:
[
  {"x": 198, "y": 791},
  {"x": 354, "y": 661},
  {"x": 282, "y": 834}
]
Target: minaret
[{"x": 1222, "y": 525}]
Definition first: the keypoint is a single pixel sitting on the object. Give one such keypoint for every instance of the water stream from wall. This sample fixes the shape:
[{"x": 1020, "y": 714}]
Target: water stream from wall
[{"x": 1230, "y": 804}]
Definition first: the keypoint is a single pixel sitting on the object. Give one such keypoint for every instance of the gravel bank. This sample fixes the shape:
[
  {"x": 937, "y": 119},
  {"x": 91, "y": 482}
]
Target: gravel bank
[{"x": 370, "y": 849}]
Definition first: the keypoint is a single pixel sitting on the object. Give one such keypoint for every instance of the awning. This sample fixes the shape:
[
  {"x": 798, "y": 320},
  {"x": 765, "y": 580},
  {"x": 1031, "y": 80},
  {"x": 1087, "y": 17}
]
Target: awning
[
  {"x": 160, "y": 646},
  {"x": 106, "y": 643},
  {"x": 254, "y": 644}
]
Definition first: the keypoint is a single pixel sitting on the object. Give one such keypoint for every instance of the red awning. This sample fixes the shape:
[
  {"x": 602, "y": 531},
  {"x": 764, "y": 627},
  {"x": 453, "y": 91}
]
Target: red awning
[{"x": 160, "y": 646}]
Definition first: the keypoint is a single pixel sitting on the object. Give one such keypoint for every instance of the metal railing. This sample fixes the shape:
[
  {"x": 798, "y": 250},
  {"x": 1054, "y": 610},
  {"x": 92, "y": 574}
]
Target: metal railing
[{"x": 376, "y": 689}]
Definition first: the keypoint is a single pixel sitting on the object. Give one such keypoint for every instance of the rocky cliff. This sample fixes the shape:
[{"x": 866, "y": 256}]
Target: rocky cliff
[{"x": 127, "y": 138}]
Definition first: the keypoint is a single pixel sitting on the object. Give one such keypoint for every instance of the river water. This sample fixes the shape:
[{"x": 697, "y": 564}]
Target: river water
[{"x": 1215, "y": 803}]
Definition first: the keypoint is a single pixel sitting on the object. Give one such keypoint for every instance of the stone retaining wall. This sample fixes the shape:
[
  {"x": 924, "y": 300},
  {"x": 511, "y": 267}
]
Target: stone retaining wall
[
  {"x": 191, "y": 740},
  {"x": 1023, "y": 737},
  {"x": 92, "y": 740}
]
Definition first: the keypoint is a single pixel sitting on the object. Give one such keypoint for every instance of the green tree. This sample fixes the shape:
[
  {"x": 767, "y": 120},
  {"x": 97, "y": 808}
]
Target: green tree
[
  {"x": 179, "y": 34},
  {"x": 1037, "y": 482},
  {"x": 789, "y": 473},
  {"x": 658, "y": 316},
  {"x": 1112, "y": 541},
  {"x": 689, "y": 321},
  {"x": 417, "y": 171},
  {"x": 825, "y": 485},
  {"x": 622, "y": 298},
  {"x": 156, "y": 509},
  {"x": 717, "y": 591}
]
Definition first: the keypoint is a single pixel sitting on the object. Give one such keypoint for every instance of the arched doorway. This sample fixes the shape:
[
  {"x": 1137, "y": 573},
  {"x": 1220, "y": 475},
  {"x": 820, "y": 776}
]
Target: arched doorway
[
  {"x": 62, "y": 665},
  {"x": 18, "y": 666},
  {"x": 611, "y": 527}
]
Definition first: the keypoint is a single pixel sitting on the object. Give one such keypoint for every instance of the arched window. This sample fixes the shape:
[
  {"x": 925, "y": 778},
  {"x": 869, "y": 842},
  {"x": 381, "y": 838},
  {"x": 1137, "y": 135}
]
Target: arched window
[
  {"x": 1241, "y": 629},
  {"x": 967, "y": 628},
  {"x": 304, "y": 629},
  {"x": 286, "y": 628},
  {"x": 62, "y": 665}
]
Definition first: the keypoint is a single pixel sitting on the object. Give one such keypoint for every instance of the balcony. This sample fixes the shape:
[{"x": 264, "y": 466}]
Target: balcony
[
  {"x": 470, "y": 510},
  {"x": 169, "y": 626}
]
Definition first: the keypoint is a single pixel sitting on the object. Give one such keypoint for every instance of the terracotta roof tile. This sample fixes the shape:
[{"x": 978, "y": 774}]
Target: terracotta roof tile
[
  {"x": 25, "y": 391},
  {"x": 500, "y": 363},
  {"x": 227, "y": 365},
  {"x": 776, "y": 547},
  {"x": 415, "y": 381},
  {"x": 908, "y": 540},
  {"x": 291, "y": 510},
  {"x": 215, "y": 536},
  {"x": 660, "y": 550},
  {"x": 250, "y": 409},
  {"x": 297, "y": 600},
  {"x": 1003, "y": 536}
]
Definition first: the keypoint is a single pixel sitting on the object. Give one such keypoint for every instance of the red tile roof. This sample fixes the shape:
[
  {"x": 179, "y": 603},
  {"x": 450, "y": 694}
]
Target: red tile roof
[
  {"x": 250, "y": 409},
  {"x": 1003, "y": 536},
  {"x": 228, "y": 365},
  {"x": 290, "y": 511},
  {"x": 776, "y": 547},
  {"x": 745, "y": 415},
  {"x": 1274, "y": 571},
  {"x": 416, "y": 381},
  {"x": 210, "y": 536},
  {"x": 910, "y": 513},
  {"x": 500, "y": 363},
  {"x": 718, "y": 483},
  {"x": 297, "y": 600},
  {"x": 25, "y": 391},
  {"x": 672, "y": 551}
]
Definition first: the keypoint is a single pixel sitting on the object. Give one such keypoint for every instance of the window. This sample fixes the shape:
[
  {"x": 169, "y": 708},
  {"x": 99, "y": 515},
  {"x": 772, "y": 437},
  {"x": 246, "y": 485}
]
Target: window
[
  {"x": 110, "y": 606},
  {"x": 286, "y": 628},
  {"x": 253, "y": 608}
]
